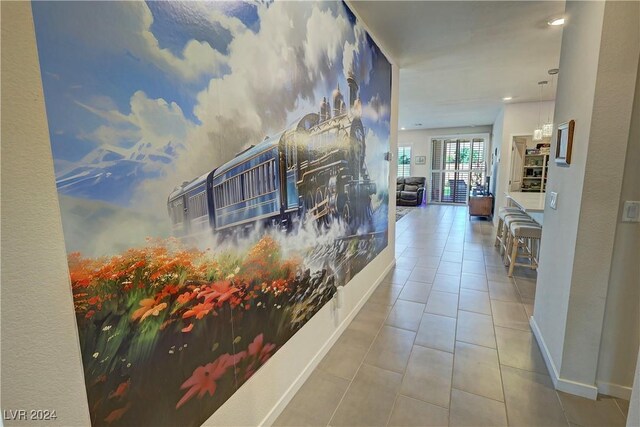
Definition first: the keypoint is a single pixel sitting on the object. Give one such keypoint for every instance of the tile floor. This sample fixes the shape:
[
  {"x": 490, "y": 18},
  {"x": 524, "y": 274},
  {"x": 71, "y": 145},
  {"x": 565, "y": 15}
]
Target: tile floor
[{"x": 444, "y": 340}]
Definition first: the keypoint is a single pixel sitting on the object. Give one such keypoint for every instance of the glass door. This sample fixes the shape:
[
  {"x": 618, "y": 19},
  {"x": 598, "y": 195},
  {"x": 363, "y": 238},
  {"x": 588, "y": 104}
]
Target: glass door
[{"x": 457, "y": 165}]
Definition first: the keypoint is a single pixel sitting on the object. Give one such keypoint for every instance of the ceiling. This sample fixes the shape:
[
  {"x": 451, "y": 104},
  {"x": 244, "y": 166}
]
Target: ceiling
[{"x": 458, "y": 59}]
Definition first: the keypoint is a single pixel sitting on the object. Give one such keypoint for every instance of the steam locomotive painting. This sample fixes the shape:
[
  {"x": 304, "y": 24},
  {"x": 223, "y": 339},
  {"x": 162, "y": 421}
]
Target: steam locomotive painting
[
  {"x": 192, "y": 266},
  {"x": 315, "y": 171}
]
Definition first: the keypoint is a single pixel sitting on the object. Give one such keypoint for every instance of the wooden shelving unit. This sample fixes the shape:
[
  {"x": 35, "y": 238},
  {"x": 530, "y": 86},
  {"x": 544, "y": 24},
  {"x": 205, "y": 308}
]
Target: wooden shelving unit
[{"x": 534, "y": 173}]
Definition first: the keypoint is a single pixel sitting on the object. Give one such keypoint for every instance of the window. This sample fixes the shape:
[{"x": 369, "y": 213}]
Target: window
[
  {"x": 255, "y": 182},
  {"x": 457, "y": 165},
  {"x": 404, "y": 161}
]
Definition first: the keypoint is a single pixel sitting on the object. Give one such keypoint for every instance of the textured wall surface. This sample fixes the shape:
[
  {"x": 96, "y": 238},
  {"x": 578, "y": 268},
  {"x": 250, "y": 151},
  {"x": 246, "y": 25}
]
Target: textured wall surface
[
  {"x": 41, "y": 363},
  {"x": 595, "y": 88},
  {"x": 41, "y": 366}
]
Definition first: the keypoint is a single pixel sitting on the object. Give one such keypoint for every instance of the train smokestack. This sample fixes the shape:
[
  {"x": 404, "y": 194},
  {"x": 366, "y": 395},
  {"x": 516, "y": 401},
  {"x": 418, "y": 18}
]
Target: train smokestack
[{"x": 353, "y": 89}]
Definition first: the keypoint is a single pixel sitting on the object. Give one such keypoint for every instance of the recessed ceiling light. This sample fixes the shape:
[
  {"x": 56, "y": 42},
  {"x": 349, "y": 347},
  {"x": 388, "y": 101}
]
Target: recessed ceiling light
[
  {"x": 507, "y": 98},
  {"x": 556, "y": 21},
  {"x": 402, "y": 128}
]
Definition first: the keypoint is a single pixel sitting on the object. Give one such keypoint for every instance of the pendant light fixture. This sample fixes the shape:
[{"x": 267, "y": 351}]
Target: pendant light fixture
[
  {"x": 547, "y": 127},
  {"x": 537, "y": 133}
]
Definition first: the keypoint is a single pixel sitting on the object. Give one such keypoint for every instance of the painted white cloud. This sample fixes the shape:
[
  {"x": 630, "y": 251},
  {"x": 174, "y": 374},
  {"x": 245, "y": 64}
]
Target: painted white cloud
[
  {"x": 357, "y": 56},
  {"x": 125, "y": 28},
  {"x": 154, "y": 121}
]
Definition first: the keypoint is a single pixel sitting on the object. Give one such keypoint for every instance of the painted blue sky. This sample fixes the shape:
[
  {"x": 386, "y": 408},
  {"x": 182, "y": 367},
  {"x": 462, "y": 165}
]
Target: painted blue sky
[{"x": 141, "y": 96}]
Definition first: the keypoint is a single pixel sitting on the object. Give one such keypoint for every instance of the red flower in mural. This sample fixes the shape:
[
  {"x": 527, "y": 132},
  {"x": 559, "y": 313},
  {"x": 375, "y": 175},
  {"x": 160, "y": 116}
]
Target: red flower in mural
[
  {"x": 116, "y": 414},
  {"x": 259, "y": 350},
  {"x": 204, "y": 379},
  {"x": 199, "y": 311},
  {"x": 121, "y": 390}
]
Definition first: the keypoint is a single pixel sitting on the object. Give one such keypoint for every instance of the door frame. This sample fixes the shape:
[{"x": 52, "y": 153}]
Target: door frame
[{"x": 487, "y": 151}]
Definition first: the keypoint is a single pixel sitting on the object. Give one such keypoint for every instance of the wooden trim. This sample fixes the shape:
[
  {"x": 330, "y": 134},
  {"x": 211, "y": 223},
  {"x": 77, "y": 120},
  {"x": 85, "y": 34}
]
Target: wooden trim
[{"x": 569, "y": 127}]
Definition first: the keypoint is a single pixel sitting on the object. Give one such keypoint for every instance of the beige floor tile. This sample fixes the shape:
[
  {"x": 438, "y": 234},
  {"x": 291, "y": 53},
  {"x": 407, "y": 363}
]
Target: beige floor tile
[
  {"x": 498, "y": 274},
  {"x": 587, "y": 412},
  {"x": 528, "y": 306},
  {"x": 373, "y": 314},
  {"x": 369, "y": 400},
  {"x": 503, "y": 291},
  {"x": 493, "y": 260},
  {"x": 477, "y": 282},
  {"x": 428, "y": 376},
  {"x": 428, "y": 261},
  {"x": 531, "y": 399},
  {"x": 391, "y": 349},
  {"x": 406, "y": 263},
  {"x": 469, "y": 410},
  {"x": 476, "y": 370},
  {"x": 451, "y": 256},
  {"x": 406, "y": 315},
  {"x": 385, "y": 293},
  {"x": 343, "y": 359},
  {"x": 448, "y": 267},
  {"x": 411, "y": 412},
  {"x": 623, "y": 405},
  {"x": 314, "y": 403},
  {"x": 397, "y": 276},
  {"x": 415, "y": 291},
  {"x": 526, "y": 287},
  {"x": 420, "y": 274},
  {"x": 509, "y": 315},
  {"x": 471, "y": 255},
  {"x": 442, "y": 303},
  {"x": 473, "y": 267},
  {"x": 475, "y": 328},
  {"x": 438, "y": 332},
  {"x": 476, "y": 301},
  {"x": 519, "y": 349},
  {"x": 446, "y": 283}
]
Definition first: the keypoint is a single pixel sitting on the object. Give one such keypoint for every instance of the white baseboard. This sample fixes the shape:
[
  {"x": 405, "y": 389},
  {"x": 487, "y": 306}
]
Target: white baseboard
[
  {"x": 270, "y": 418},
  {"x": 568, "y": 386},
  {"x": 615, "y": 390}
]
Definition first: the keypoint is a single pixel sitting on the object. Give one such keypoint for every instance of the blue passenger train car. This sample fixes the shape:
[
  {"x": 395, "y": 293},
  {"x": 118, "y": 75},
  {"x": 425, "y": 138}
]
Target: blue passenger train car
[{"x": 314, "y": 171}]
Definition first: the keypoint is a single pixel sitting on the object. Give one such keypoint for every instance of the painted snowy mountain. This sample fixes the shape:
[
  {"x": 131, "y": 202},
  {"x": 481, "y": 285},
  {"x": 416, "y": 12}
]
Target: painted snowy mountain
[{"x": 111, "y": 173}]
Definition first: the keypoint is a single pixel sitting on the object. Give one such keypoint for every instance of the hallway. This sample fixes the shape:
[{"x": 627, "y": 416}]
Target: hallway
[{"x": 443, "y": 340}]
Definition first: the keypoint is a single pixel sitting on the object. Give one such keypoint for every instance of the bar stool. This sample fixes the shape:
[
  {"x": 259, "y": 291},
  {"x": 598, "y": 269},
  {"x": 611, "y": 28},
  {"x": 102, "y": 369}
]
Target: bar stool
[
  {"x": 505, "y": 247},
  {"x": 502, "y": 212},
  {"x": 524, "y": 235}
]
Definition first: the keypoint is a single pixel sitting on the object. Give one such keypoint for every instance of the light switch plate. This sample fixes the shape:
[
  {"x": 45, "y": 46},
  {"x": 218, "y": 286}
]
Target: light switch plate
[
  {"x": 631, "y": 211},
  {"x": 553, "y": 200}
]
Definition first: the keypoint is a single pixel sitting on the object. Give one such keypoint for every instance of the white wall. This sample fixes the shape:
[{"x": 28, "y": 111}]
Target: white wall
[
  {"x": 40, "y": 355},
  {"x": 514, "y": 120},
  {"x": 41, "y": 365},
  {"x": 621, "y": 329},
  {"x": 598, "y": 68},
  {"x": 420, "y": 142},
  {"x": 633, "y": 417}
]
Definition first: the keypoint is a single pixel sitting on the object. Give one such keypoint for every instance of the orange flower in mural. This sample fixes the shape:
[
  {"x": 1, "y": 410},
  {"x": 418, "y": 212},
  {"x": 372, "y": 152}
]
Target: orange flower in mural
[
  {"x": 149, "y": 308},
  {"x": 199, "y": 311},
  {"x": 204, "y": 379},
  {"x": 185, "y": 297},
  {"x": 187, "y": 328},
  {"x": 220, "y": 291}
]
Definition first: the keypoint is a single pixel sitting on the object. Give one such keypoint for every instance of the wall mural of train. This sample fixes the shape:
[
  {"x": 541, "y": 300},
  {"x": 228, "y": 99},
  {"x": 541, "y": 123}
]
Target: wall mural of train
[
  {"x": 314, "y": 171},
  {"x": 190, "y": 267}
]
